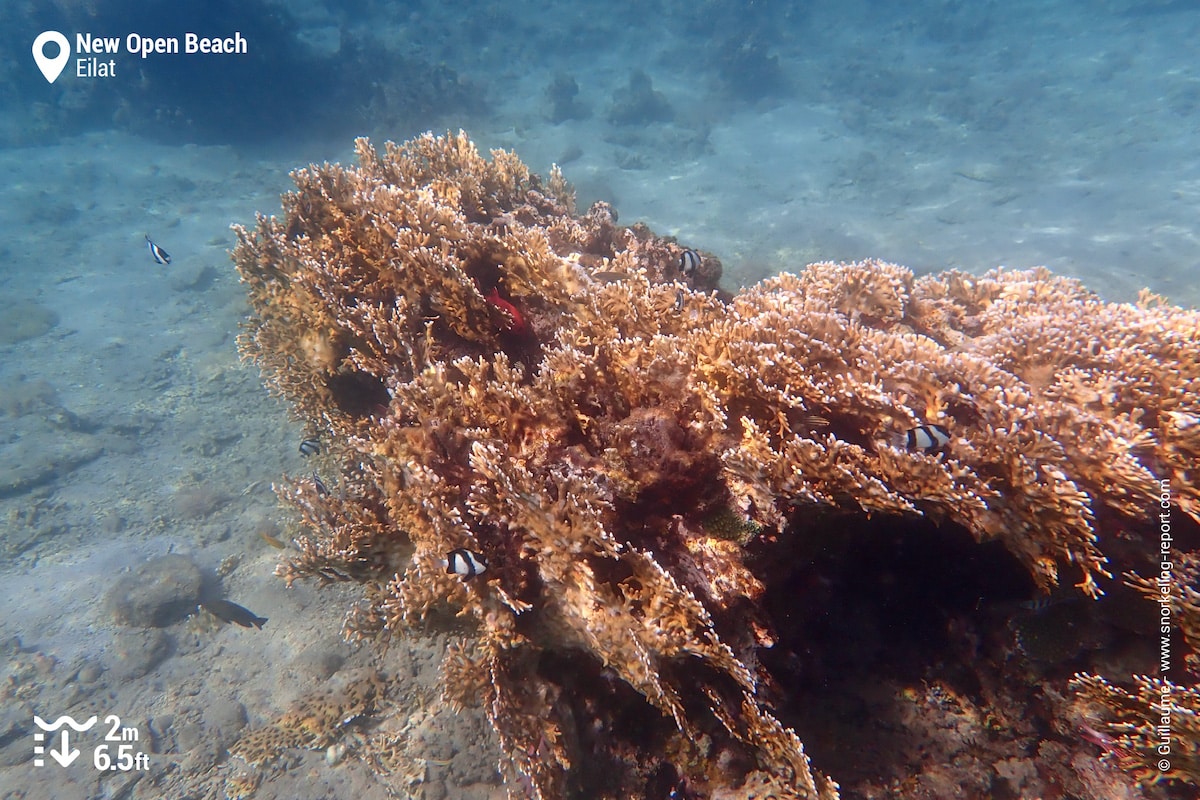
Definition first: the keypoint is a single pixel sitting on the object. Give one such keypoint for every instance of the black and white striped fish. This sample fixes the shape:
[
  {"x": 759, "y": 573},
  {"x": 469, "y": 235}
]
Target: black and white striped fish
[
  {"x": 310, "y": 447},
  {"x": 319, "y": 485},
  {"x": 160, "y": 256},
  {"x": 1039, "y": 605},
  {"x": 689, "y": 262},
  {"x": 465, "y": 563},
  {"x": 923, "y": 438}
]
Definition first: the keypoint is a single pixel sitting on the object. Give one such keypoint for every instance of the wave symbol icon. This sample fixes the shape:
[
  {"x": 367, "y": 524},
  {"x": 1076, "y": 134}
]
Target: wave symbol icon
[{"x": 64, "y": 720}]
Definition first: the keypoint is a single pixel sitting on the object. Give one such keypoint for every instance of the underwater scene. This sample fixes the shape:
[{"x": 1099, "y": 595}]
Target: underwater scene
[{"x": 644, "y": 400}]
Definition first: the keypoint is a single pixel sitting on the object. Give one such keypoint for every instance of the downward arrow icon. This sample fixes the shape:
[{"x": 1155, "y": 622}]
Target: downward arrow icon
[{"x": 66, "y": 754}]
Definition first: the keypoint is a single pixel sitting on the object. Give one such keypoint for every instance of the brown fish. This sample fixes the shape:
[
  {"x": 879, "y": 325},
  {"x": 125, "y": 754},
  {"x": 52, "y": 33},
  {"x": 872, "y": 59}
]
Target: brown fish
[
  {"x": 274, "y": 541},
  {"x": 232, "y": 612}
]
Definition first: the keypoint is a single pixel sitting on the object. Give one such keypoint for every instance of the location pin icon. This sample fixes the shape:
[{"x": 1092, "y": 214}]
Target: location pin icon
[{"x": 51, "y": 67}]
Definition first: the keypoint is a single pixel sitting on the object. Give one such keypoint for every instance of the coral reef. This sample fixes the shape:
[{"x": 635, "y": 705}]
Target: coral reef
[
  {"x": 24, "y": 319},
  {"x": 563, "y": 96},
  {"x": 634, "y": 453},
  {"x": 1155, "y": 728},
  {"x": 1152, "y": 728},
  {"x": 639, "y": 103},
  {"x": 314, "y": 722},
  {"x": 745, "y": 69}
]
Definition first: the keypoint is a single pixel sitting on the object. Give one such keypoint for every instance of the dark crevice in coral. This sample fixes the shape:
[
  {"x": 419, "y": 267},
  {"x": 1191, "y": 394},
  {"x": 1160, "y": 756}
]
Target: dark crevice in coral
[
  {"x": 522, "y": 347},
  {"x": 896, "y": 636},
  {"x": 358, "y": 394},
  {"x": 482, "y": 261},
  {"x": 604, "y": 710},
  {"x": 610, "y": 717},
  {"x": 516, "y": 574},
  {"x": 858, "y": 603},
  {"x": 1139, "y": 543},
  {"x": 870, "y": 590}
]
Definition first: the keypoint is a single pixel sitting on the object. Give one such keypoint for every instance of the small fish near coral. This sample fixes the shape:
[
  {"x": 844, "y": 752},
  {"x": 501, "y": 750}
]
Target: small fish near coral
[
  {"x": 226, "y": 611},
  {"x": 609, "y": 276},
  {"x": 666, "y": 784},
  {"x": 923, "y": 438},
  {"x": 465, "y": 563},
  {"x": 310, "y": 447},
  {"x": 1035, "y": 606},
  {"x": 319, "y": 485},
  {"x": 1044, "y": 602},
  {"x": 689, "y": 262},
  {"x": 159, "y": 255},
  {"x": 273, "y": 541},
  {"x": 516, "y": 322}
]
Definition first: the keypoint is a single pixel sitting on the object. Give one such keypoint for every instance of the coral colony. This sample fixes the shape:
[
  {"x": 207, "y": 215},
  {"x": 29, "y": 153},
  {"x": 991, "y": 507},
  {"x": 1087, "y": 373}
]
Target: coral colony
[{"x": 647, "y": 466}]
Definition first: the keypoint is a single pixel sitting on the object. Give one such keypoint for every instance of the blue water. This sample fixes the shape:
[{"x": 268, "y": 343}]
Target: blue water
[{"x": 934, "y": 134}]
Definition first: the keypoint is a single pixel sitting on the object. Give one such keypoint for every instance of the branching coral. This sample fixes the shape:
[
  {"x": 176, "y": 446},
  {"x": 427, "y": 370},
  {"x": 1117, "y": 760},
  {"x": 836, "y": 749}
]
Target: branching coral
[
  {"x": 551, "y": 392},
  {"x": 1154, "y": 724},
  {"x": 1153, "y": 730},
  {"x": 1176, "y": 590}
]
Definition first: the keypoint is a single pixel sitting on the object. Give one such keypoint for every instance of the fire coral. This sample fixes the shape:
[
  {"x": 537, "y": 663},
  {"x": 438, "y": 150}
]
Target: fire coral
[{"x": 617, "y": 454}]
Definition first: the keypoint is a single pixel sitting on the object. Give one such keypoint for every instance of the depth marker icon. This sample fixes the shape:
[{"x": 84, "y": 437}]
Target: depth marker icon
[{"x": 65, "y": 754}]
